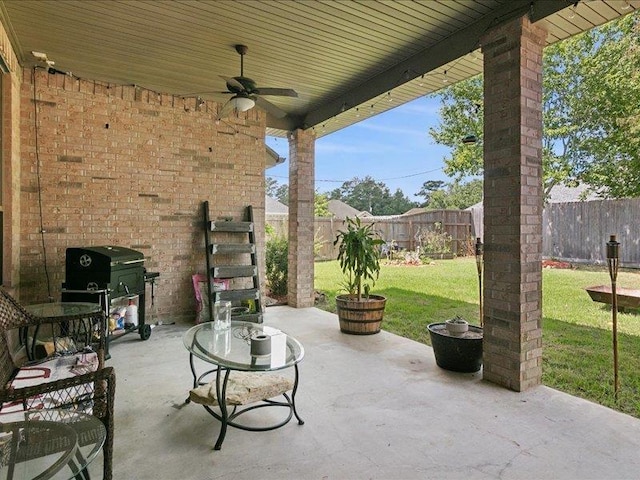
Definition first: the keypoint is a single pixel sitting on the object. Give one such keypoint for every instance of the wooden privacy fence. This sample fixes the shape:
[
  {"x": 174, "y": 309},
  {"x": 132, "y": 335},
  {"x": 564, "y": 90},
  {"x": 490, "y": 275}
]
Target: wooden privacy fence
[
  {"x": 404, "y": 230},
  {"x": 574, "y": 231},
  {"x": 578, "y": 231}
]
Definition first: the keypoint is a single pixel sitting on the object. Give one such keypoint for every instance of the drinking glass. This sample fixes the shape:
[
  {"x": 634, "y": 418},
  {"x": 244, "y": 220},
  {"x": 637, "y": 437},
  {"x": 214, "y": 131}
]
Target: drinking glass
[{"x": 222, "y": 314}]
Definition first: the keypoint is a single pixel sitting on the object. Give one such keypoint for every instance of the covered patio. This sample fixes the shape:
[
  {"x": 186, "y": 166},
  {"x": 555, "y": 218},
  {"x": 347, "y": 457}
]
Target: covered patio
[
  {"x": 116, "y": 129},
  {"x": 374, "y": 407},
  {"x": 112, "y": 134}
]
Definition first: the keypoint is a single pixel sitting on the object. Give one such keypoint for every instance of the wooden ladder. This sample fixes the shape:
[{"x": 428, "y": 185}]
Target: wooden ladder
[{"x": 231, "y": 255}]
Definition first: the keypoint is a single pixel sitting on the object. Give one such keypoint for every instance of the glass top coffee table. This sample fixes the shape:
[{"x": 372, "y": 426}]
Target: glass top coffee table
[
  {"x": 49, "y": 444},
  {"x": 243, "y": 348},
  {"x": 62, "y": 309}
]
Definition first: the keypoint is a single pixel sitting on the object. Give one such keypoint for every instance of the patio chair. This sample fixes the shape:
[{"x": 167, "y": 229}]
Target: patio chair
[{"x": 55, "y": 363}]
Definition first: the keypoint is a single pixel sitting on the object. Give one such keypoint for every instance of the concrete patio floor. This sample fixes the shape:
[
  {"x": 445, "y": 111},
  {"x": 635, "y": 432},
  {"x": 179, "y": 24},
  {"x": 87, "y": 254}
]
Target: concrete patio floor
[{"x": 375, "y": 407}]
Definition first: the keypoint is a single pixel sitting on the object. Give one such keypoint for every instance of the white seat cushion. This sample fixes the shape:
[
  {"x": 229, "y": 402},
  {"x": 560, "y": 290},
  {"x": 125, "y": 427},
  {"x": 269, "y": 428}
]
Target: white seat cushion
[
  {"x": 57, "y": 368},
  {"x": 243, "y": 388}
]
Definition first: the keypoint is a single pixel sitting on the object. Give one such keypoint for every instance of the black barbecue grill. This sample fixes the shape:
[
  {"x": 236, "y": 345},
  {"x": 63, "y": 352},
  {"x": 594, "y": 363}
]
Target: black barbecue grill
[{"x": 110, "y": 276}]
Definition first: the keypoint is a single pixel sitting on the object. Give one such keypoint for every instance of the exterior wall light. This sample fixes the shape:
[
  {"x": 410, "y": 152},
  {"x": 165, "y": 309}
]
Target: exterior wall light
[{"x": 470, "y": 139}]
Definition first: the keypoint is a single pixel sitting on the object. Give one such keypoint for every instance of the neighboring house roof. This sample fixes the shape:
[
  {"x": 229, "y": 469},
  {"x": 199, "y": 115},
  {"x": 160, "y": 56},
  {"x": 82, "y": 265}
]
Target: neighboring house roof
[
  {"x": 415, "y": 211},
  {"x": 339, "y": 209},
  {"x": 563, "y": 194},
  {"x": 271, "y": 205}
]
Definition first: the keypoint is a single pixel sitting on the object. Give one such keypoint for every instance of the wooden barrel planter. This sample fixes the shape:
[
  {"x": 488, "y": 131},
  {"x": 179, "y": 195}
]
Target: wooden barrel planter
[{"x": 360, "y": 318}]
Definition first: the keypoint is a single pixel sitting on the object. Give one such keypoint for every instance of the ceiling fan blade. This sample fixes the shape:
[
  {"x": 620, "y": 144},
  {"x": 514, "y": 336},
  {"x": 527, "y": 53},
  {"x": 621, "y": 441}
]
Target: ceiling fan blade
[
  {"x": 280, "y": 92},
  {"x": 270, "y": 107},
  {"x": 194, "y": 94},
  {"x": 232, "y": 82},
  {"x": 227, "y": 108}
]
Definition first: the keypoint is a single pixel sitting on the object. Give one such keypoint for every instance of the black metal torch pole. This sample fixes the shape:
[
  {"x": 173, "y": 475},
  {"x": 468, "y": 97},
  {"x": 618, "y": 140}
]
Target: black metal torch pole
[
  {"x": 479, "y": 252},
  {"x": 613, "y": 259}
]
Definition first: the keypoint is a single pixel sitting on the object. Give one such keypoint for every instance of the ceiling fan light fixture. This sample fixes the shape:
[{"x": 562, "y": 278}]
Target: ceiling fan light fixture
[{"x": 242, "y": 103}]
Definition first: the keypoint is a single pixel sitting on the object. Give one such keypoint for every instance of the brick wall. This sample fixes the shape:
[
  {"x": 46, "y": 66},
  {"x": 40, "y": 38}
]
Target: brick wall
[{"x": 122, "y": 165}]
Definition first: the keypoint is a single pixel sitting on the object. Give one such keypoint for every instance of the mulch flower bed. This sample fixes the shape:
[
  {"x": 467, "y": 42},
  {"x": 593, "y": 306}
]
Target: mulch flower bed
[{"x": 555, "y": 264}]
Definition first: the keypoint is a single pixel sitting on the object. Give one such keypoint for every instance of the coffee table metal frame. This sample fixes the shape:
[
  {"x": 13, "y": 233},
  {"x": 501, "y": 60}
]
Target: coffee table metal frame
[{"x": 231, "y": 350}]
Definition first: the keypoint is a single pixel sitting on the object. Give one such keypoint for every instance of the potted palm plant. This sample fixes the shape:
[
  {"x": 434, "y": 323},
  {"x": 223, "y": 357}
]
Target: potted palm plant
[{"x": 359, "y": 312}]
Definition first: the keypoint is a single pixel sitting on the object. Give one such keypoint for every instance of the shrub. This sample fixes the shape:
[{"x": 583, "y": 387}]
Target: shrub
[
  {"x": 434, "y": 240},
  {"x": 277, "y": 264}
]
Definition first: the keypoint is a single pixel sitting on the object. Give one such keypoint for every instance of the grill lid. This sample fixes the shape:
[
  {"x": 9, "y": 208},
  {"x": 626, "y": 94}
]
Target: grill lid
[{"x": 102, "y": 258}]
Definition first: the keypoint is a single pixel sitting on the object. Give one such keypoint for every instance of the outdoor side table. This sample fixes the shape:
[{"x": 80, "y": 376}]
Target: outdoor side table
[
  {"x": 49, "y": 444},
  {"x": 230, "y": 351},
  {"x": 62, "y": 309},
  {"x": 57, "y": 310}
]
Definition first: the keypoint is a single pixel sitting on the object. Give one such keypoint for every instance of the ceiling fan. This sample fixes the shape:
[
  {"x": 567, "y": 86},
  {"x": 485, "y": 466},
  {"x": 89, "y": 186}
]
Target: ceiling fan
[{"x": 246, "y": 94}]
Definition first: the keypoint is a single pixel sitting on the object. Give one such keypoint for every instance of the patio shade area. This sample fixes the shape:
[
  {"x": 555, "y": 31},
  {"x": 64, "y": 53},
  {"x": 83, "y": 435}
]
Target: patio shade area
[{"x": 375, "y": 407}]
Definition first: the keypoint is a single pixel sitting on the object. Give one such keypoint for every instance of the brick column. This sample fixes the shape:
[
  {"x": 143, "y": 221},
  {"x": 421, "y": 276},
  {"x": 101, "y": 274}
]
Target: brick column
[
  {"x": 301, "y": 217},
  {"x": 513, "y": 204},
  {"x": 10, "y": 100}
]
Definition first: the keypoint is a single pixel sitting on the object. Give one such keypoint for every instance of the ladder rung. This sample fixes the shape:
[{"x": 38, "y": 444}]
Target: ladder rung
[
  {"x": 223, "y": 226},
  {"x": 237, "y": 295},
  {"x": 231, "y": 271},
  {"x": 248, "y": 317},
  {"x": 224, "y": 248}
]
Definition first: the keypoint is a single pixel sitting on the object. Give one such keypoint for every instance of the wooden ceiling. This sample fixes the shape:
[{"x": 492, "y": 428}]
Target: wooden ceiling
[{"x": 347, "y": 59}]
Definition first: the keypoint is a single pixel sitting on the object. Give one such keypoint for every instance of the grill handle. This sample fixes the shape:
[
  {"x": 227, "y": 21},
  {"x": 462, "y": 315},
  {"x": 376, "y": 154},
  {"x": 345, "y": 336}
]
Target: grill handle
[{"x": 128, "y": 262}]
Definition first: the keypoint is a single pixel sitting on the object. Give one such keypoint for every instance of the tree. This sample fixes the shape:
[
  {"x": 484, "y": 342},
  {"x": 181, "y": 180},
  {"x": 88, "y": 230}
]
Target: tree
[
  {"x": 276, "y": 190},
  {"x": 321, "y": 205},
  {"x": 281, "y": 193},
  {"x": 600, "y": 70},
  {"x": 270, "y": 186},
  {"x": 398, "y": 203},
  {"x": 591, "y": 113},
  {"x": 374, "y": 197},
  {"x": 428, "y": 188},
  {"x": 362, "y": 194},
  {"x": 457, "y": 195},
  {"x": 461, "y": 115}
]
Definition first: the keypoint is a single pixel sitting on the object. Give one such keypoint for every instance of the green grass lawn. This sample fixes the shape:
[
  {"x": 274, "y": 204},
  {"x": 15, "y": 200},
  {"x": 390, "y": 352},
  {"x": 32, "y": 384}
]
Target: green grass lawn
[{"x": 577, "y": 338}]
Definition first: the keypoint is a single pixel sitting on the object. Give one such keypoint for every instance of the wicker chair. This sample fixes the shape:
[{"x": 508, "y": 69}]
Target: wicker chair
[{"x": 22, "y": 346}]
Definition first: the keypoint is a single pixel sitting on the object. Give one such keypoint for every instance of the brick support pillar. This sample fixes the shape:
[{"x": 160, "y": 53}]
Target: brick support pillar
[
  {"x": 301, "y": 217},
  {"x": 10, "y": 142},
  {"x": 513, "y": 204}
]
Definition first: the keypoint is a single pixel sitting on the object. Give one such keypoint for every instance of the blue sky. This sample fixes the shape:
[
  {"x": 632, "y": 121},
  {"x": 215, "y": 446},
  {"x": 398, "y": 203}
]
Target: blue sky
[{"x": 394, "y": 148}]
